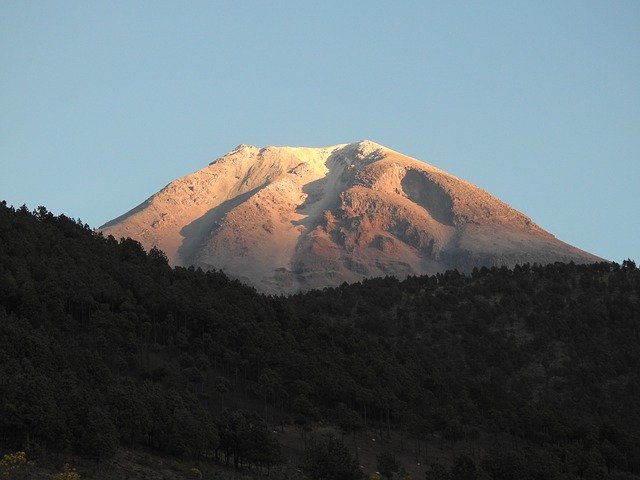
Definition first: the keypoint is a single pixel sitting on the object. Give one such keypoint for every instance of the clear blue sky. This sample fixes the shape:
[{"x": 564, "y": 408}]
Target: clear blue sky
[{"x": 103, "y": 103}]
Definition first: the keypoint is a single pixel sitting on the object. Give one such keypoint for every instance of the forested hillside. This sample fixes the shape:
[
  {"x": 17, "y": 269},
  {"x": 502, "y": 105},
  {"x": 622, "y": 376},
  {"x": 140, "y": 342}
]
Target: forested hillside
[{"x": 104, "y": 346}]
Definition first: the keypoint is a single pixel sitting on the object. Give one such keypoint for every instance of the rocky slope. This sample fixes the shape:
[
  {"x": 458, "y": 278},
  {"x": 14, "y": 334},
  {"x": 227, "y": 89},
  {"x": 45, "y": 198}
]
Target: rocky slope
[{"x": 287, "y": 219}]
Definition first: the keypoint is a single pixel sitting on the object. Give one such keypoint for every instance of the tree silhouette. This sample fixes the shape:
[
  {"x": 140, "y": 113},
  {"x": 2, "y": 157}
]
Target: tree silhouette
[{"x": 327, "y": 458}]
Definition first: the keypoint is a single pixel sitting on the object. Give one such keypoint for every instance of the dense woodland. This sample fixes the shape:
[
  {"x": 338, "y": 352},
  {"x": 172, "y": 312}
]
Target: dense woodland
[{"x": 104, "y": 346}]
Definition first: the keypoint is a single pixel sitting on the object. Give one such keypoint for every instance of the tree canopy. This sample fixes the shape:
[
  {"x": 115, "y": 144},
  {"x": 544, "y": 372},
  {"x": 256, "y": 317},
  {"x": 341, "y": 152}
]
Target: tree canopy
[{"x": 102, "y": 343}]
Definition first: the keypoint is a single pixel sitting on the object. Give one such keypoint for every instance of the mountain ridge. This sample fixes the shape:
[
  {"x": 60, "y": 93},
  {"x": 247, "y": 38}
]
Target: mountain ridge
[{"x": 285, "y": 219}]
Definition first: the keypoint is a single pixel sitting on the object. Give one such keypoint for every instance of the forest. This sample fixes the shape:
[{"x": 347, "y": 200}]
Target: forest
[{"x": 104, "y": 346}]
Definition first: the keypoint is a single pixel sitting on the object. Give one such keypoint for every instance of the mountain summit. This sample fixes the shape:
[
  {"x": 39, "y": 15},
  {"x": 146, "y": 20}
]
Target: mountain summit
[{"x": 286, "y": 219}]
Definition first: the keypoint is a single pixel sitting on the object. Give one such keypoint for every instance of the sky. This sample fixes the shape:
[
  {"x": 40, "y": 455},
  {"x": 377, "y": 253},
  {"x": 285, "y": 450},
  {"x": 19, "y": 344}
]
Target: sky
[{"x": 103, "y": 103}]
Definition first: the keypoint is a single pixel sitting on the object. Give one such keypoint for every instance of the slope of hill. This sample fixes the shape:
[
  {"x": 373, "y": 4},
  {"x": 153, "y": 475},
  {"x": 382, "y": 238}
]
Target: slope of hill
[
  {"x": 531, "y": 372},
  {"x": 287, "y": 219}
]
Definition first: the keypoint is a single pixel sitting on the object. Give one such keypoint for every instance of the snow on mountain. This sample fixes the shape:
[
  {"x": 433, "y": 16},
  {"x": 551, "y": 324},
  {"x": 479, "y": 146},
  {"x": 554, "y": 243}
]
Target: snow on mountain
[{"x": 286, "y": 219}]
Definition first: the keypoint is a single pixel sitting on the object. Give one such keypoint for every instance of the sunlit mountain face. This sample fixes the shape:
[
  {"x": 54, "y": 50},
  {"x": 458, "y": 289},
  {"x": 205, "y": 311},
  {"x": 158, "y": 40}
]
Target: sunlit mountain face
[{"x": 288, "y": 219}]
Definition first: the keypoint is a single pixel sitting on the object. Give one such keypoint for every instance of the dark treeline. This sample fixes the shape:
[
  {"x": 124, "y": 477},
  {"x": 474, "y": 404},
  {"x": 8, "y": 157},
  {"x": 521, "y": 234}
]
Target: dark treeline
[{"x": 103, "y": 344}]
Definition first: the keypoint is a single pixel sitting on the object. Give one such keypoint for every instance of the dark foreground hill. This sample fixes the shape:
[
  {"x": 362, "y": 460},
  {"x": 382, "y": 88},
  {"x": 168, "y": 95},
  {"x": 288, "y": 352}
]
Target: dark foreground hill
[{"x": 528, "y": 373}]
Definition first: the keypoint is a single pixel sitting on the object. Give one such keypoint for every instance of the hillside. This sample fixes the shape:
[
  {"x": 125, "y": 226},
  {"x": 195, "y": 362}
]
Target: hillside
[
  {"x": 530, "y": 372},
  {"x": 288, "y": 219}
]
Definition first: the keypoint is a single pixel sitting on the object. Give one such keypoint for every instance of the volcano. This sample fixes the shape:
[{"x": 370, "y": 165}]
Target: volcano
[{"x": 289, "y": 219}]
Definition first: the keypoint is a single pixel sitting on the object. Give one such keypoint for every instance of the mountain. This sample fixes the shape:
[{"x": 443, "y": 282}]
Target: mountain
[{"x": 285, "y": 219}]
